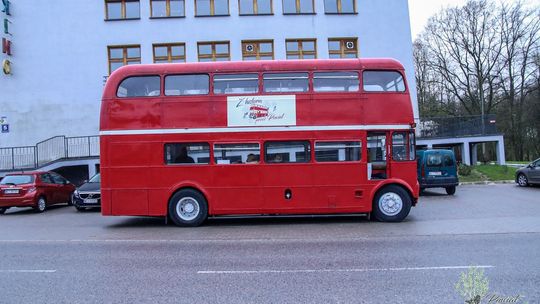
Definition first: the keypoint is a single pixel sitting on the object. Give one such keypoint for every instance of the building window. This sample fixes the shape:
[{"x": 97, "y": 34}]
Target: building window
[
  {"x": 169, "y": 52},
  {"x": 301, "y": 48},
  {"x": 123, "y": 55},
  {"x": 167, "y": 8},
  {"x": 211, "y": 7},
  {"x": 214, "y": 51},
  {"x": 258, "y": 50},
  {"x": 122, "y": 9},
  {"x": 340, "y": 6},
  {"x": 343, "y": 48},
  {"x": 255, "y": 7},
  {"x": 298, "y": 7}
]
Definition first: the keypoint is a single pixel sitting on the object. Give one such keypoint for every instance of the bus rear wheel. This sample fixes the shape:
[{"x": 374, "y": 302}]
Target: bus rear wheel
[
  {"x": 391, "y": 204},
  {"x": 188, "y": 208}
]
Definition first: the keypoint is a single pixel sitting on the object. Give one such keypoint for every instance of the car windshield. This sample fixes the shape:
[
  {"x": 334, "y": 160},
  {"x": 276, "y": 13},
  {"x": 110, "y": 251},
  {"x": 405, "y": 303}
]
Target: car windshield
[
  {"x": 95, "y": 179},
  {"x": 17, "y": 179}
]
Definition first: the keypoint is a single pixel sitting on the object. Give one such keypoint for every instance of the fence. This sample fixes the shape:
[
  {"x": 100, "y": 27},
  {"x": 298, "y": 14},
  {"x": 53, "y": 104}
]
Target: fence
[
  {"x": 48, "y": 151},
  {"x": 460, "y": 126}
]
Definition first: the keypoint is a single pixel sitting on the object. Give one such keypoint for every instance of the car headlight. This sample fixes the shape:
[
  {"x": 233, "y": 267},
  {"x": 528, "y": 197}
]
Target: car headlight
[
  {"x": 76, "y": 193},
  {"x": 31, "y": 189}
]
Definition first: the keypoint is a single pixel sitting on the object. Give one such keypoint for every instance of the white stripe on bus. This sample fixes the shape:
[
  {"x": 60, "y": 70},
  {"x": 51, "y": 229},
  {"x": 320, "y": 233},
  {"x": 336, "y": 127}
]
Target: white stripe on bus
[{"x": 254, "y": 129}]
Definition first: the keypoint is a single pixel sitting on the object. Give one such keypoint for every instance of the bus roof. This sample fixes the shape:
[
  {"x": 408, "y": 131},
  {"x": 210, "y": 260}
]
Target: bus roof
[{"x": 254, "y": 66}]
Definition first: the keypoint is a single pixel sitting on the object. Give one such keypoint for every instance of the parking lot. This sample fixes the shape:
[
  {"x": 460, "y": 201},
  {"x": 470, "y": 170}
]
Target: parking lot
[{"x": 65, "y": 256}]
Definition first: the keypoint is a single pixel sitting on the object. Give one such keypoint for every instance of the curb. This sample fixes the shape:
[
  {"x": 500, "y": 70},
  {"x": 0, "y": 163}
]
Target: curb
[{"x": 489, "y": 182}]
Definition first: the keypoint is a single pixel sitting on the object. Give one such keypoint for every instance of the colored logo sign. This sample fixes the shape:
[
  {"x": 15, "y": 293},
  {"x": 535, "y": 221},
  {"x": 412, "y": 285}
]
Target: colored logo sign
[{"x": 279, "y": 110}]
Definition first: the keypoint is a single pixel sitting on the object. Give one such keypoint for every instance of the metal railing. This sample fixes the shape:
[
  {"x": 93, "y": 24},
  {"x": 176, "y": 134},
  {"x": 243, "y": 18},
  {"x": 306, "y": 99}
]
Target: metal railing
[
  {"x": 459, "y": 126},
  {"x": 48, "y": 151}
]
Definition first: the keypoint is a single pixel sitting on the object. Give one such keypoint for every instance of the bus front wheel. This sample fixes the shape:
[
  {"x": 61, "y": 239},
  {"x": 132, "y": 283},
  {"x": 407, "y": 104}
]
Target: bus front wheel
[
  {"x": 392, "y": 204},
  {"x": 188, "y": 207}
]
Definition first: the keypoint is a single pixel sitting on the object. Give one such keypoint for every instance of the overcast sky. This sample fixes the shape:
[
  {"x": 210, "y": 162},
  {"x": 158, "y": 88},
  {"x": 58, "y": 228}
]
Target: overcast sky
[{"x": 421, "y": 10}]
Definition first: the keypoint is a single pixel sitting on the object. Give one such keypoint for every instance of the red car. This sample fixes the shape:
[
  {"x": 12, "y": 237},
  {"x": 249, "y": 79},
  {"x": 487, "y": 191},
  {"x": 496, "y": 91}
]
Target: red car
[{"x": 34, "y": 189}]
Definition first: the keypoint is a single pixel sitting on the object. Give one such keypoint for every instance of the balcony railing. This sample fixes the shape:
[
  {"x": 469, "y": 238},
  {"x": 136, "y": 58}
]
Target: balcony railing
[
  {"x": 460, "y": 126},
  {"x": 48, "y": 151}
]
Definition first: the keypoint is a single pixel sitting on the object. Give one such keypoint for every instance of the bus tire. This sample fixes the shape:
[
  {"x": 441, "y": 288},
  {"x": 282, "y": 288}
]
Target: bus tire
[
  {"x": 188, "y": 208},
  {"x": 392, "y": 204}
]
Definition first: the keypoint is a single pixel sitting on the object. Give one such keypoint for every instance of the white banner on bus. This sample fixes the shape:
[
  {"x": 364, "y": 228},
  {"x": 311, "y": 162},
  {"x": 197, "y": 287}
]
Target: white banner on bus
[{"x": 275, "y": 110}]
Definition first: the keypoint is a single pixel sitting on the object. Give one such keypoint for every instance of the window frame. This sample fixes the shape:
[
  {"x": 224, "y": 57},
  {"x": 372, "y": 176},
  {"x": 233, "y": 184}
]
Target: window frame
[
  {"x": 339, "y": 7},
  {"x": 167, "y": 10},
  {"x": 298, "y": 8},
  {"x": 215, "y": 161},
  {"x": 182, "y": 95},
  {"x": 214, "y": 55},
  {"x": 308, "y": 150},
  {"x": 342, "y": 47},
  {"x": 315, "y": 142},
  {"x": 257, "y": 44},
  {"x": 169, "y": 47},
  {"x": 405, "y": 90},
  {"x": 140, "y": 76},
  {"x": 125, "y": 59},
  {"x": 122, "y": 10},
  {"x": 308, "y": 77},
  {"x": 357, "y": 72},
  {"x": 201, "y": 143},
  {"x": 255, "y": 9},
  {"x": 255, "y": 74},
  {"x": 300, "y": 53},
  {"x": 212, "y": 12}
]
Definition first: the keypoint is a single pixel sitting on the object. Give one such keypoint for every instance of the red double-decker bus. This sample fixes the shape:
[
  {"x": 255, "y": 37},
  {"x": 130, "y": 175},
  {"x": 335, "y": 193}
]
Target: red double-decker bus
[{"x": 194, "y": 140}]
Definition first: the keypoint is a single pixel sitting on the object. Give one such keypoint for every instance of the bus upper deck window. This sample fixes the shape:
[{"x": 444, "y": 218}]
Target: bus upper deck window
[
  {"x": 139, "y": 86},
  {"x": 176, "y": 85},
  {"x": 285, "y": 82},
  {"x": 236, "y": 84},
  {"x": 383, "y": 81},
  {"x": 335, "y": 82}
]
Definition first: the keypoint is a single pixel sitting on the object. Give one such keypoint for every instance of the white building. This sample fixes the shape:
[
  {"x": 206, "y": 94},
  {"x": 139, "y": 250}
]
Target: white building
[{"x": 62, "y": 50}]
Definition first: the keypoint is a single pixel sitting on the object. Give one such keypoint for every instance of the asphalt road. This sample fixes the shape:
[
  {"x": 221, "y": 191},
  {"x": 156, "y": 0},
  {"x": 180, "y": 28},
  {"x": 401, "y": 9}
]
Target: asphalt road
[{"x": 62, "y": 256}]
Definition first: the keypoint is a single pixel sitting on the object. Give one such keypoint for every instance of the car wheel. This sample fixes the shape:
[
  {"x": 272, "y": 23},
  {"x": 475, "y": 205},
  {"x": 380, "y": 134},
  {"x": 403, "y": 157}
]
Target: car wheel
[
  {"x": 391, "y": 204},
  {"x": 451, "y": 190},
  {"x": 522, "y": 180},
  {"x": 188, "y": 208},
  {"x": 41, "y": 205},
  {"x": 3, "y": 210}
]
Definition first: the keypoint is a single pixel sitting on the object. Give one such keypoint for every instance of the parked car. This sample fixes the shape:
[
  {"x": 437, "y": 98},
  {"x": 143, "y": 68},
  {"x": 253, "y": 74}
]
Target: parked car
[
  {"x": 34, "y": 189},
  {"x": 88, "y": 195},
  {"x": 437, "y": 168},
  {"x": 529, "y": 174}
]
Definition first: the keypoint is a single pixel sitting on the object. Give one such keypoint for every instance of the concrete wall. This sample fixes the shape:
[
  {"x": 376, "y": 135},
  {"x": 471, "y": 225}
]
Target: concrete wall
[{"x": 59, "y": 50}]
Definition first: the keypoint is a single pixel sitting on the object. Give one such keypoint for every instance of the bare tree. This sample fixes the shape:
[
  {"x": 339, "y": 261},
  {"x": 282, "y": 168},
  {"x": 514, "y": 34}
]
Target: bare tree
[
  {"x": 520, "y": 28},
  {"x": 464, "y": 48}
]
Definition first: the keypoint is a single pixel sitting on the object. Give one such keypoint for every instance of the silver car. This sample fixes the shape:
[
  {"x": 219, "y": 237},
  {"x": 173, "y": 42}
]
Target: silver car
[{"x": 529, "y": 174}]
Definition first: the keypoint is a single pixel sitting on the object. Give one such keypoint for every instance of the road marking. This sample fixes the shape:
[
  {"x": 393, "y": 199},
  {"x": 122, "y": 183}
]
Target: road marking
[
  {"x": 28, "y": 271},
  {"x": 340, "y": 270}
]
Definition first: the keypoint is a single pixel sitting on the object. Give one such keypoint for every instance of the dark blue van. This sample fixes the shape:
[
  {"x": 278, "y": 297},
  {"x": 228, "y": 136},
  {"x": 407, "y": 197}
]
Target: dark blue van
[{"x": 437, "y": 169}]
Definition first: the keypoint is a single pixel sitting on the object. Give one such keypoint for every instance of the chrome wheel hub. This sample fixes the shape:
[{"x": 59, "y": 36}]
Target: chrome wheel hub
[
  {"x": 522, "y": 181},
  {"x": 390, "y": 204},
  {"x": 187, "y": 208}
]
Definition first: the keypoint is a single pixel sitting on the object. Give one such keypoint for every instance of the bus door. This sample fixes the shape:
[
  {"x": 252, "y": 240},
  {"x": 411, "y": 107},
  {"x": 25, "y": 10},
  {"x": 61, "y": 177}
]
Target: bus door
[
  {"x": 377, "y": 148},
  {"x": 403, "y": 155}
]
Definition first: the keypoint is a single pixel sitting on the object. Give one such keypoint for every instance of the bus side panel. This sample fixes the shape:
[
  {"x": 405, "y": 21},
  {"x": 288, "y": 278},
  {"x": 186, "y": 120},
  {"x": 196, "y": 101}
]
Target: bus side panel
[
  {"x": 128, "y": 174},
  {"x": 134, "y": 113},
  {"x": 341, "y": 186},
  {"x": 278, "y": 179},
  {"x": 395, "y": 105},
  {"x": 236, "y": 189},
  {"x": 347, "y": 111}
]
